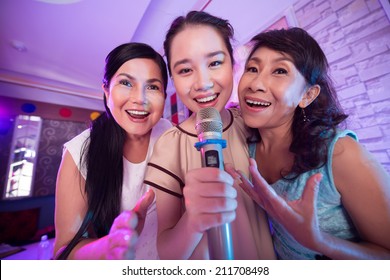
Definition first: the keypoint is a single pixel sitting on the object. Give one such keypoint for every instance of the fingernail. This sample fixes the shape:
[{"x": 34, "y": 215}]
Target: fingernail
[
  {"x": 319, "y": 178},
  {"x": 130, "y": 255},
  {"x": 133, "y": 221},
  {"x": 237, "y": 180}
]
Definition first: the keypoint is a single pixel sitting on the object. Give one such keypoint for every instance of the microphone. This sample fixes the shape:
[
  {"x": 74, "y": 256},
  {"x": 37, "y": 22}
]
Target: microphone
[{"x": 209, "y": 130}]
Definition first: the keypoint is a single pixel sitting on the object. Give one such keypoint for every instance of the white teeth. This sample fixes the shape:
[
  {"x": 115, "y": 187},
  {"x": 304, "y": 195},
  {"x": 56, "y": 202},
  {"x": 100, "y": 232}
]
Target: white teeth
[
  {"x": 206, "y": 99},
  {"x": 139, "y": 113},
  {"x": 257, "y": 103}
]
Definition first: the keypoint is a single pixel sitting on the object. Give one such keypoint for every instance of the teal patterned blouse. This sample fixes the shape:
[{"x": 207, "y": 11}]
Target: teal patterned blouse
[{"x": 332, "y": 216}]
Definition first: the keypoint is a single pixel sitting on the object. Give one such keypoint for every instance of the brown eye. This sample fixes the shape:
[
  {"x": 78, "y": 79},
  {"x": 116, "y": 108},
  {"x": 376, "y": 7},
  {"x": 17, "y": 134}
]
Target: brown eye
[
  {"x": 184, "y": 71},
  {"x": 153, "y": 87},
  {"x": 280, "y": 71},
  {"x": 215, "y": 63},
  {"x": 125, "y": 83},
  {"x": 251, "y": 69}
]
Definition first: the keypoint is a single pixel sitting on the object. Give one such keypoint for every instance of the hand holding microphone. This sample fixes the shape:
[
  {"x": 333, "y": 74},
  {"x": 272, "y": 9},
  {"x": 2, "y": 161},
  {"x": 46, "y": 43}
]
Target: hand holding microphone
[{"x": 216, "y": 195}]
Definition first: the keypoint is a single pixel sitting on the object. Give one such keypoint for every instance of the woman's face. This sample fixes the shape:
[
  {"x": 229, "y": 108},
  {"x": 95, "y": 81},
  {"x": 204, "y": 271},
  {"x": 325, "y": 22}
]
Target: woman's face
[
  {"x": 135, "y": 96},
  {"x": 201, "y": 68},
  {"x": 270, "y": 89}
]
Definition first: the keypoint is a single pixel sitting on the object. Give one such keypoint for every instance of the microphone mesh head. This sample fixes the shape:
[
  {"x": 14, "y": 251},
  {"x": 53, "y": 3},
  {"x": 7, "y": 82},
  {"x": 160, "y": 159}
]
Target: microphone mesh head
[{"x": 208, "y": 120}]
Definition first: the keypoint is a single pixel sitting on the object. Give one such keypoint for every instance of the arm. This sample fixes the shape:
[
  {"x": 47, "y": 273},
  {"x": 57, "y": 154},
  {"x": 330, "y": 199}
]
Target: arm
[
  {"x": 69, "y": 192},
  {"x": 364, "y": 186},
  {"x": 209, "y": 201}
]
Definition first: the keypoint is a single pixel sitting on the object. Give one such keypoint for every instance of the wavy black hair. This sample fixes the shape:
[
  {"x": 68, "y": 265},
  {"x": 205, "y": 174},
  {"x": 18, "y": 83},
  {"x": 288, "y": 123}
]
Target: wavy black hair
[{"x": 310, "y": 138}]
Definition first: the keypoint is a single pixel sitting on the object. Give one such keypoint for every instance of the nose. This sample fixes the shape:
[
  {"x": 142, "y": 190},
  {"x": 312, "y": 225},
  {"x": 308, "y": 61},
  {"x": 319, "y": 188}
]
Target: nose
[
  {"x": 203, "y": 81},
  {"x": 257, "y": 84},
  {"x": 138, "y": 96}
]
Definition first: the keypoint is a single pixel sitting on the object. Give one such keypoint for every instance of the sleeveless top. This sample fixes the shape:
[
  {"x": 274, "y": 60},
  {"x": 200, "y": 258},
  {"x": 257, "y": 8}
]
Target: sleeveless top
[
  {"x": 332, "y": 216},
  {"x": 132, "y": 189},
  {"x": 175, "y": 154}
]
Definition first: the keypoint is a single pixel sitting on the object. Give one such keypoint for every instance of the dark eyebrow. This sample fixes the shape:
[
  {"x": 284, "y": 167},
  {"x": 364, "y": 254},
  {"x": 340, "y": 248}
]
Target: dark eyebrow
[
  {"x": 155, "y": 80},
  {"x": 284, "y": 58},
  {"x": 130, "y": 77},
  {"x": 279, "y": 59},
  {"x": 187, "y": 60},
  {"x": 126, "y": 75}
]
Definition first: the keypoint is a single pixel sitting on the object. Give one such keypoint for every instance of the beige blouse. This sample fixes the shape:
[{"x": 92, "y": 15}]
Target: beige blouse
[{"x": 175, "y": 154}]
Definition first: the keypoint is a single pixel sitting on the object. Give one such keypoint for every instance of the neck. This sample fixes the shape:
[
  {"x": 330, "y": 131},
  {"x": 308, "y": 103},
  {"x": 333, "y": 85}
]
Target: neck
[
  {"x": 275, "y": 138},
  {"x": 136, "y": 147},
  {"x": 274, "y": 147}
]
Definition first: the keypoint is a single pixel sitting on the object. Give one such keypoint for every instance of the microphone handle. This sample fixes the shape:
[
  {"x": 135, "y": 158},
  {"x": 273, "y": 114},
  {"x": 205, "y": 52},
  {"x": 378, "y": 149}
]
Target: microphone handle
[{"x": 219, "y": 238}]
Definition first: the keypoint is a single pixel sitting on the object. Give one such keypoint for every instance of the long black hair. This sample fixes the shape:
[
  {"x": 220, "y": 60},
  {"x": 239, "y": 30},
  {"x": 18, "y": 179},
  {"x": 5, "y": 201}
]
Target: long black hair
[
  {"x": 102, "y": 153},
  {"x": 222, "y": 26},
  {"x": 309, "y": 138}
]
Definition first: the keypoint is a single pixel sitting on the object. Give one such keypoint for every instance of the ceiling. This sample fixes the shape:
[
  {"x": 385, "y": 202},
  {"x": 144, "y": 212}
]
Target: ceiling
[{"x": 54, "y": 50}]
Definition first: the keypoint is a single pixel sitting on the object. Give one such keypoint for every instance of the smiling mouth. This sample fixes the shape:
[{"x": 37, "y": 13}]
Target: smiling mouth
[
  {"x": 137, "y": 114},
  {"x": 207, "y": 99},
  {"x": 253, "y": 103}
]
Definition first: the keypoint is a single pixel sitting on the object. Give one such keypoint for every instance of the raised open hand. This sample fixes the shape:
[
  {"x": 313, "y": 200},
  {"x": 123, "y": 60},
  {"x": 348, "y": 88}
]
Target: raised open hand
[{"x": 299, "y": 216}]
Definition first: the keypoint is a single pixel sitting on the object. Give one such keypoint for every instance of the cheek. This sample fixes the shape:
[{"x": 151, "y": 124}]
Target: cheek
[
  {"x": 240, "y": 87},
  {"x": 227, "y": 77},
  {"x": 157, "y": 102},
  {"x": 182, "y": 87},
  {"x": 294, "y": 95}
]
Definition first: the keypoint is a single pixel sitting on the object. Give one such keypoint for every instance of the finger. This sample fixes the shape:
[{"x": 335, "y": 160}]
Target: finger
[
  {"x": 310, "y": 192},
  {"x": 144, "y": 202},
  {"x": 122, "y": 239},
  {"x": 210, "y": 189},
  {"x": 121, "y": 253},
  {"x": 141, "y": 209},
  {"x": 271, "y": 201},
  {"x": 248, "y": 187},
  {"x": 209, "y": 174},
  {"x": 125, "y": 220},
  {"x": 234, "y": 173},
  {"x": 261, "y": 186},
  {"x": 211, "y": 205},
  {"x": 208, "y": 221},
  {"x": 117, "y": 253},
  {"x": 130, "y": 254},
  {"x": 230, "y": 169}
]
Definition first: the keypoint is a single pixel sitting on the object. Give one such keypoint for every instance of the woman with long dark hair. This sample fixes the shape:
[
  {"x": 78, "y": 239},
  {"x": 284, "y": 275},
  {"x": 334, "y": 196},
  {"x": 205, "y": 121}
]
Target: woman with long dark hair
[{"x": 101, "y": 175}]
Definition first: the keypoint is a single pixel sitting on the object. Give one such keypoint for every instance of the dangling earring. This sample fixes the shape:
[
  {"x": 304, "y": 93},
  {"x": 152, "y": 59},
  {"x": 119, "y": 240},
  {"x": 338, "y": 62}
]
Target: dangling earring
[{"x": 305, "y": 119}]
